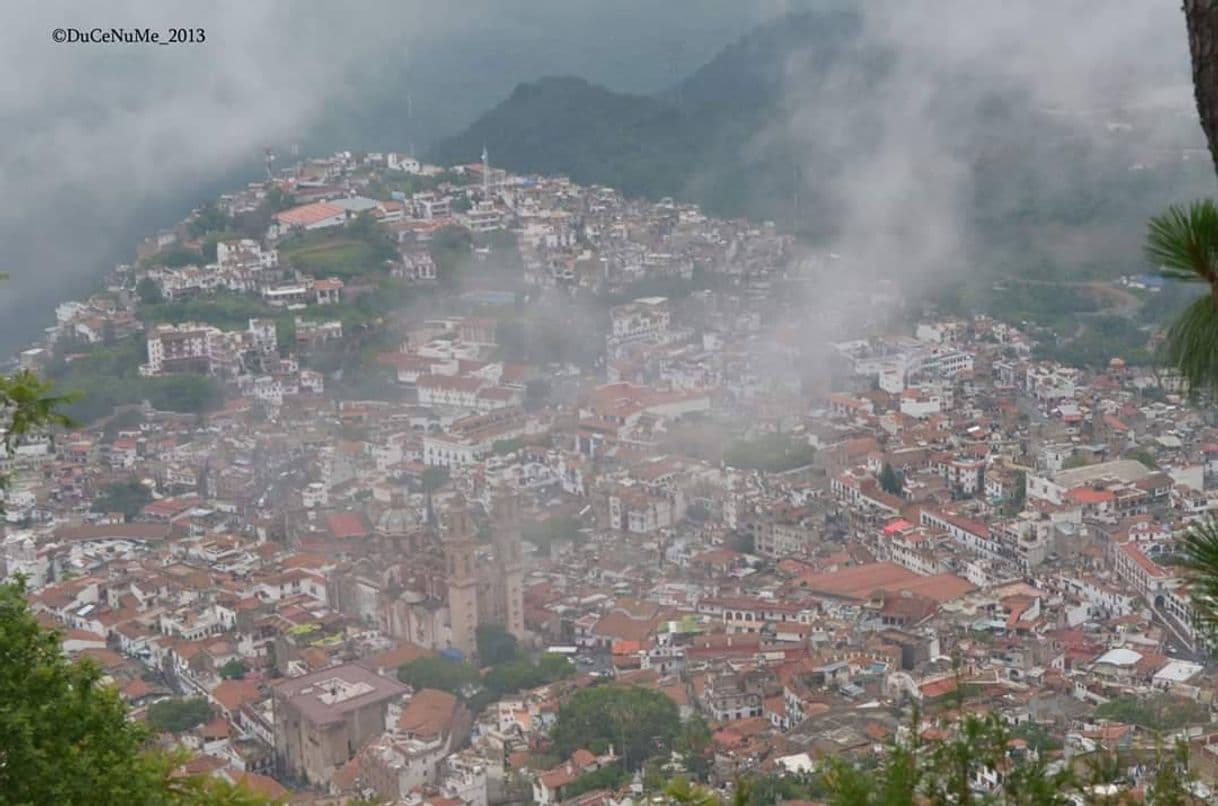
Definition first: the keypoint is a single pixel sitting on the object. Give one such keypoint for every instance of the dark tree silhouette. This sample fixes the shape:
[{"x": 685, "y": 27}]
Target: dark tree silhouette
[{"x": 1202, "y": 19}]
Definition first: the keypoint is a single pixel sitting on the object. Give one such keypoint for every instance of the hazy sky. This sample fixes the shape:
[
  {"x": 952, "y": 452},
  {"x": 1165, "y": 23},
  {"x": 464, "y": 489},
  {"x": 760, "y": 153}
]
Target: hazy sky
[
  {"x": 108, "y": 141},
  {"x": 906, "y": 144}
]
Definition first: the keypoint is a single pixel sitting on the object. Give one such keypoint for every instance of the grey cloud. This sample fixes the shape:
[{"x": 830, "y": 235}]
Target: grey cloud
[
  {"x": 102, "y": 140},
  {"x": 904, "y": 140}
]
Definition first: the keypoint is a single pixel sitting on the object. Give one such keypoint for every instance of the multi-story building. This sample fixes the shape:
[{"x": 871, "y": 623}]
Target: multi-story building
[
  {"x": 322, "y": 719},
  {"x": 189, "y": 347}
]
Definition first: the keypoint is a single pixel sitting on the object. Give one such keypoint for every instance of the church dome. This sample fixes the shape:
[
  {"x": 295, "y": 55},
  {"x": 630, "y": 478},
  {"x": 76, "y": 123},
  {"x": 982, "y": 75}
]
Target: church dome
[{"x": 397, "y": 521}]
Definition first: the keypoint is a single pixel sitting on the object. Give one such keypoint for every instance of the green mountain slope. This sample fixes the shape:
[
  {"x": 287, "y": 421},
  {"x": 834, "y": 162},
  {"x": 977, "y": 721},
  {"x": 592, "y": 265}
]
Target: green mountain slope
[
  {"x": 688, "y": 140},
  {"x": 779, "y": 123}
]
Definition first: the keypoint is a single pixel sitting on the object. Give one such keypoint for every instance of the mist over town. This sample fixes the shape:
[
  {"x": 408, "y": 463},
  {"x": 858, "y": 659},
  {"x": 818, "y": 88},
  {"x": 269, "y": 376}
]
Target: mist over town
[{"x": 724, "y": 402}]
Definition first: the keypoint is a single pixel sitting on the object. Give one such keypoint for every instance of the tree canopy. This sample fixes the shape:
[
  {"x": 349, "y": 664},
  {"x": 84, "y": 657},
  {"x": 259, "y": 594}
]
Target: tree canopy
[
  {"x": 28, "y": 405},
  {"x": 913, "y": 772},
  {"x": 772, "y": 453},
  {"x": 437, "y": 671},
  {"x": 128, "y": 496},
  {"x": 65, "y": 734},
  {"x": 234, "y": 670},
  {"x": 495, "y": 644},
  {"x": 639, "y": 723},
  {"x": 179, "y": 715},
  {"x": 890, "y": 480}
]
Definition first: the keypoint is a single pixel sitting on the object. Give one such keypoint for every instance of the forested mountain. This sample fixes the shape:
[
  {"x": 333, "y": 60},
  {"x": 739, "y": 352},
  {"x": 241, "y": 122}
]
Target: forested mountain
[
  {"x": 685, "y": 140},
  {"x": 780, "y": 124}
]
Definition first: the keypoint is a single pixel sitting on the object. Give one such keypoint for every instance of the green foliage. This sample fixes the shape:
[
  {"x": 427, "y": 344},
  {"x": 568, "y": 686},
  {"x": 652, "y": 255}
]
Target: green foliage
[
  {"x": 610, "y": 777},
  {"x": 234, "y": 669},
  {"x": 502, "y": 447},
  {"x": 512, "y": 676},
  {"x": 208, "y": 218},
  {"x": 890, "y": 480},
  {"x": 552, "y": 667},
  {"x": 175, "y": 257},
  {"x": 1037, "y": 737},
  {"x": 277, "y": 200},
  {"x": 1049, "y": 304},
  {"x": 684, "y": 791},
  {"x": 450, "y": 250},
  {"x": 149, "y": 292},
  {"x": 1183, "y": 244},
  {"x": 1198, "y": 552},
  {"x": 362, "y": 227},
  {"x": 58, "y": 721},
  {"x": 1019, "y": 496},
  {"x": 29, "y": 406},
  {"x": 110, "y": 377},
  {"x": 124, "y": 420},
  {"x": 66, "y": 736},
  {"x": 556, "y": 528},
  {"x": 185, "y": 393},
  {"x": 638, "y": 722},
  {"x": 1158, "y": 712},
  {"x": 599, "y": 132},
  {"x": 495, "y": 644},
  {"x": 762, "y": 790},
  {"x": 519, "y": 674},
  {"x": 1039, "y": 194},
  {"x": 358, "y": 248},
  {"x": 224, "y": 309},
  {"x": 128, "y": 497},
  {"x": 1144, "y": 456},
  {"x": 1168, "y": 786},
  {"x": 913, "y": 773},
  {"x": 1189, "y": 344},
  {"x": 1097, "y": 340},
  {"x": 211, "y": 242},
  {"x": 510, "y": 673},
  {"x": 772, "y": 453},
  {"x": 433, "y": 478},
  {"x": 536, "y": 392},
  {"x": 437, "y": 671},
  {"x": 408, "y": 184},
  {"x": 543, "y": 761},
  {"x": 179, "y": 715},
  {"x": 1075, "y": 459},
  {"x": 694, "y": 744}
]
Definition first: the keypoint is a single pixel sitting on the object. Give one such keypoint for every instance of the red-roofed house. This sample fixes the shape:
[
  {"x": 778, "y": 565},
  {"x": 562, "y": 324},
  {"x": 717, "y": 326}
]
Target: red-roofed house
[
  {"x": 347, "y": 525},
  {"x": 317, "y": 215}
]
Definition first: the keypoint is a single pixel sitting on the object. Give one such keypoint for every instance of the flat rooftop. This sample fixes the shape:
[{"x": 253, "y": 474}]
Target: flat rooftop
[
  {"x": 328, "y": 695},
  {"x": 1125, "y": 470}
]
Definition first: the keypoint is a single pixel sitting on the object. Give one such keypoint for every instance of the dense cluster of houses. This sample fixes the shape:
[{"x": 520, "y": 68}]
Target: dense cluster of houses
[{"x": 935, "y": 518}]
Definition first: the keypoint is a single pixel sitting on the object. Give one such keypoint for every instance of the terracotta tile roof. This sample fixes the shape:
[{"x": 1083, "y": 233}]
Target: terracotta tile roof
[
  {"x": 346, "y": 525},
  {"x": 308, "y": 214},
  {"x": 136, "y": 689},
  {"x": 860, "y": 581},
  {"x": 429, "y": 714},
  {"x": 232, "y": 694},
  {"x": 262, "y": 785},
  {"x": 394, "y": 658},
  {"x": 622, "y": 627}
]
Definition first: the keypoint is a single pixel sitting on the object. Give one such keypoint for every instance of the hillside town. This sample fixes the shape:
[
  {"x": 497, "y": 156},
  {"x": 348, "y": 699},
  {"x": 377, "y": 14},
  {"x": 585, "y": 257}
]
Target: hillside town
[{"x": 487, "y": 442}]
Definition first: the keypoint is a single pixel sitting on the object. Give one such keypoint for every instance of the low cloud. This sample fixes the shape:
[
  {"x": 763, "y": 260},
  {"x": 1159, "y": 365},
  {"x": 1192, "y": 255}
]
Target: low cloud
[{"x": 906, "y": 137}]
